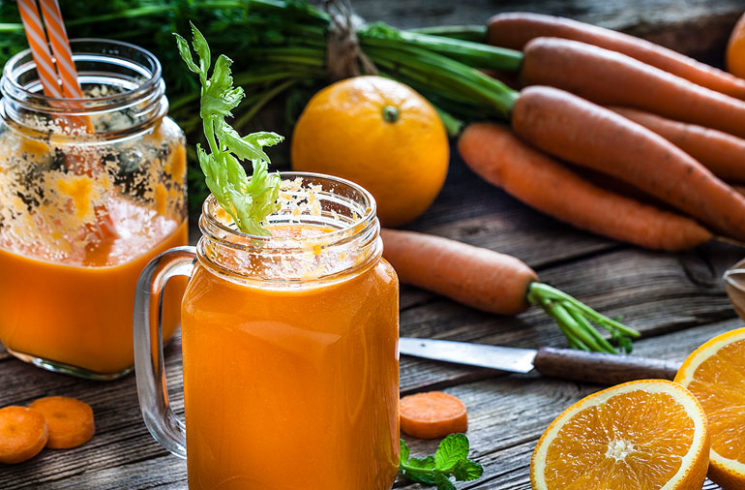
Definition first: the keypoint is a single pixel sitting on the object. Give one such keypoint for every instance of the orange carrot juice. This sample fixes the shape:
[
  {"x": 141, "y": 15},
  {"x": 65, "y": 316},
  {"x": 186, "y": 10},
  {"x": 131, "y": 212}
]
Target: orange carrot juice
[
  {"x": 292, "y": 387},
  {"x": 78, "y": 312},
  {"x": 289, "y": 346}
]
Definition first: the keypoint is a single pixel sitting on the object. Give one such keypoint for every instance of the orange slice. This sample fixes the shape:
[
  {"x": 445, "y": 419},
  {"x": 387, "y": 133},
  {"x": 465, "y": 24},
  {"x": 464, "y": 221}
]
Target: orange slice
[
  {"x": 649, "y": 434},
  {"x": 715, "y": 374}
]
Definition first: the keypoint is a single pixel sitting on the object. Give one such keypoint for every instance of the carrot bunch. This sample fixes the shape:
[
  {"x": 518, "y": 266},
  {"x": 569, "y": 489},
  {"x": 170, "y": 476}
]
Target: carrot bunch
[
  {"x": 611, "y": 134},
  {"x": 665, "y": 125}
]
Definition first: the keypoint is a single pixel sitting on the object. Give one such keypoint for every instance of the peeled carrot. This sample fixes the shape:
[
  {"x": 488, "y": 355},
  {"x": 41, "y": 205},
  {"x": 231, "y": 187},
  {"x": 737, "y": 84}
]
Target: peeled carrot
[
  {"x": 586, "y": 134},
  {"x": 499, "y": 157},
  {"x": 720, "y": 152},
  {"x": 611, "y": 78},
  {"x": 70, "y": 421},
  {"x": 432, "y": 415},
  {"x": 474, "y": 276},
  {"x": 23, "y": 434},
  {"x": 515, "y": 30}
]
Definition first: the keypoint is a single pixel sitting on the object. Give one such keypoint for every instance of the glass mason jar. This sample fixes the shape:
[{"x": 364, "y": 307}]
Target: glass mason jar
[
  {"x": 289, "y": 347},
  {"x": 91, "y": 189}
]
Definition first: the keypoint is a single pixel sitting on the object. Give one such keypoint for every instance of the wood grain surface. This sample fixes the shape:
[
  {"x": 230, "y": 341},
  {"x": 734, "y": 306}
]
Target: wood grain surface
[{"x": 676, "y": 300}]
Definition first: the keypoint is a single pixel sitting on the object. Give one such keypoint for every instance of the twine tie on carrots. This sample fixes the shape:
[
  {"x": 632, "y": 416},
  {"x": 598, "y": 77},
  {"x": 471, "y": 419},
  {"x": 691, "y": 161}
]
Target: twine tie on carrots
[{"x": 344, "y": 57}]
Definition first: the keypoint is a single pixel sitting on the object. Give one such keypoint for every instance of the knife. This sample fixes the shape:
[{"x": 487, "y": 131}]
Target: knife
[{"x": 571, "y": 364}]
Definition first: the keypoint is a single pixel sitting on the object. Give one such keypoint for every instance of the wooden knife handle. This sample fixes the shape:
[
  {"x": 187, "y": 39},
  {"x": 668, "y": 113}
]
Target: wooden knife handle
[{"x": 600, "y": 368}]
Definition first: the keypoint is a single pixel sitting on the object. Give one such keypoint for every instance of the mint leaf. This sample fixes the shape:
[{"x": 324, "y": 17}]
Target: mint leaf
[
  {"x": 405, "y": 451},
  {"x": 420, "y": 470},
  {"x": 443, "y": 482},
  {"x": 467, "y": 470},
  {"x": 450, "y": 459},
  {"x": 451, "y": 450},
  {"x": 248, "y": 201},
  {"x": 427, "y": 477},
  {"x": 427, "y": 463}
]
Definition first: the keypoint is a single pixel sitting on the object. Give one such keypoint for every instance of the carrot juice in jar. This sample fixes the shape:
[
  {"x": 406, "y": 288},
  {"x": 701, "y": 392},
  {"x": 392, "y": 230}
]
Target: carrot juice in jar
[
  {"x": 91, "y": 189},
  {"x": 289, "y": 347}
]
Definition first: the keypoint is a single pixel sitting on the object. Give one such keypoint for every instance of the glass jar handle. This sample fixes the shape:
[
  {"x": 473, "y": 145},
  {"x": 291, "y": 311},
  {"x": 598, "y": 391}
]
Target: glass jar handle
[{"x": 150, "y": 374}]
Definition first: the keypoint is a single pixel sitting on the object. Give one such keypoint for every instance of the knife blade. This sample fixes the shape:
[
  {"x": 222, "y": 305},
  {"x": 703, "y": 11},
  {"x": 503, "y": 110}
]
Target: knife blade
[
  {"x": 512, "y": 359},
  {"x": 571, "y": 364}
]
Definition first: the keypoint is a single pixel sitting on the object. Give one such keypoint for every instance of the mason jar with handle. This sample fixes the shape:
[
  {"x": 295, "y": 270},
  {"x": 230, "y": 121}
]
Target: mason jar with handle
[
  {"x": 289, "y": 347},
  {"x": 91, "y": 189}
]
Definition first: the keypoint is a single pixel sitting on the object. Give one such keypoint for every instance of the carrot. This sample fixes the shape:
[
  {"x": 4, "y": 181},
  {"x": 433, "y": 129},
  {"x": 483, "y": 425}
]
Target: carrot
[
  {"x": 23, "y": 434},
  {"x": 70, "y": 421},
  {"x": 474, "y": 276},
  {"x": 611, "y": 78},
  {"x": 586, "y": 134},
  {"x": 496, "y": 283},
  {"x": 720, "y": 152},
  {"x": 495, "y": 154},
  {"x": 515, "y": 30},
  {"x": 432, "y": 415}
]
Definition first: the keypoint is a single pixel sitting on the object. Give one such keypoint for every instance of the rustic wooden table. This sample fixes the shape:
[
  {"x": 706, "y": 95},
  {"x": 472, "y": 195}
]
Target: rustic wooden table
[{"x": 675, "y": 300}]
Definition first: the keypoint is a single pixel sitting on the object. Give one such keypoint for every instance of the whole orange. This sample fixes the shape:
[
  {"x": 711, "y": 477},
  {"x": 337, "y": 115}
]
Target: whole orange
[
  {"x": 736, "y": 49},
  {"x": 380, "y": 134}
]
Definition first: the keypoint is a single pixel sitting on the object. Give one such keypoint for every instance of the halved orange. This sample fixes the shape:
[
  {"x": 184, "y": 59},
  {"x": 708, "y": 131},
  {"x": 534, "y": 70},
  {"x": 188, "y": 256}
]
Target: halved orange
[
  {"x": 648, "y": 434},
  {"x": 715, "y": 374}
]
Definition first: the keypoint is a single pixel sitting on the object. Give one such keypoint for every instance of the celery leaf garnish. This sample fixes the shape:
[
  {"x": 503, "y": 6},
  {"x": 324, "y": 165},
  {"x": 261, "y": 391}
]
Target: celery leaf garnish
[{"x": 248, "y": 201}]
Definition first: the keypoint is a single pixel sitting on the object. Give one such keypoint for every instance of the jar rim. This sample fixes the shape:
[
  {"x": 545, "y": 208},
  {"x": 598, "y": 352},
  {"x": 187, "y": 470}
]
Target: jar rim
[
  {"x": 209, "y": 224},
  {"x": 303, "y": 260},
  {"x": 149, "y": 83}
]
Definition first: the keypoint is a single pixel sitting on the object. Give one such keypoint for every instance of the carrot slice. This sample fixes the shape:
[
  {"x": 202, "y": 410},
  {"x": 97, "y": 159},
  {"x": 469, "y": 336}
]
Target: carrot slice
[
  {"x": 70, "y": 421},
  {"x": 23, "y": 433},
  {"x": 432, "y": 415}
]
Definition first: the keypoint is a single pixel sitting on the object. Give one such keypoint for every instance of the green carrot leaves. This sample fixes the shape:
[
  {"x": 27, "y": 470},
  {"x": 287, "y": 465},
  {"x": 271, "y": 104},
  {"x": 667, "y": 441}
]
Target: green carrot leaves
[
  {"x": 248, "y": 202},
  {"x": 575, "y": 319},
  {"x": 450, "y": 459}
]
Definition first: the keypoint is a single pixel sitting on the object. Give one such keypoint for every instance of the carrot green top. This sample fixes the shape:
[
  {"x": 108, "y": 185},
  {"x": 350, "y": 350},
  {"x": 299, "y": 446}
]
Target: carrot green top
[{"x": 248, "y": 201}]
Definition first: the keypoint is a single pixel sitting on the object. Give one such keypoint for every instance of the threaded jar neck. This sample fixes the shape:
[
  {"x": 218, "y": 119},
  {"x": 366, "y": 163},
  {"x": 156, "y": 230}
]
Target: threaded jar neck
[
  {"x": 347, "y": 237},
  {"x": 123, "y": 90}
]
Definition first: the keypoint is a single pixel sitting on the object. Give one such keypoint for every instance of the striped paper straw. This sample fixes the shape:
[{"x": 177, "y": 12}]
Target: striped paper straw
[
  {"x": 61, "y": 48},
  {"x": 37, "y": 41}
]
